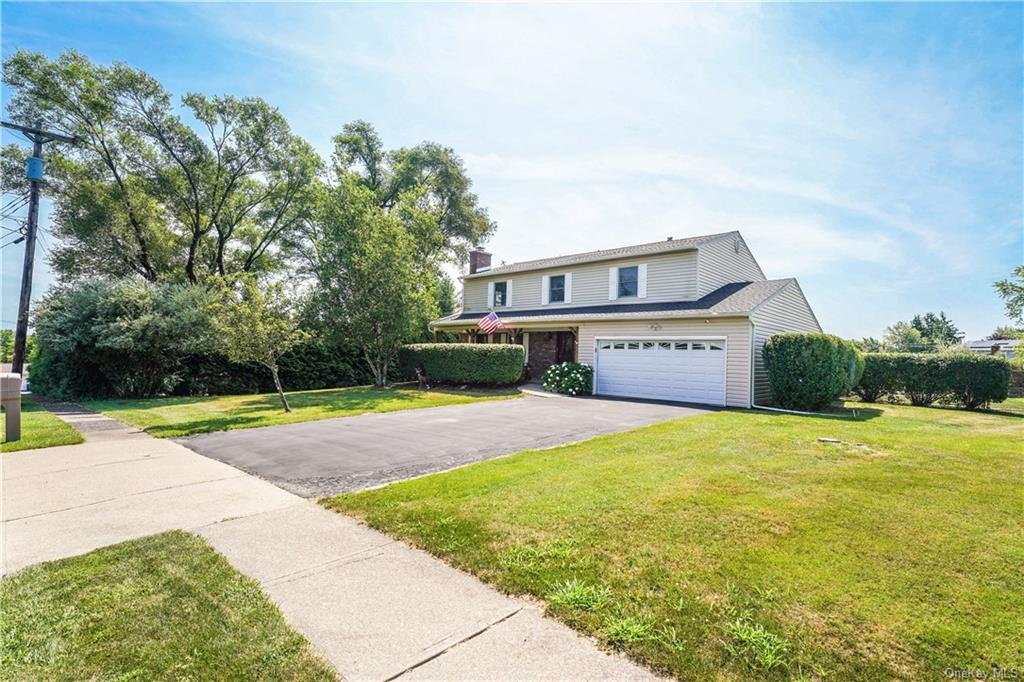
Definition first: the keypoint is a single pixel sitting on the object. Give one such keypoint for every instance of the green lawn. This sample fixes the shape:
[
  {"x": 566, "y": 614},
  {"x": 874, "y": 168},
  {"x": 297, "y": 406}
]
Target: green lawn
[
  {"x": 172, "y": 417},
  {"x": 166, "y": 607},
  {"x": 39, "y": 429},
  {"x": 736, "y": 544},
  {"x": 1014, "y": 405}
]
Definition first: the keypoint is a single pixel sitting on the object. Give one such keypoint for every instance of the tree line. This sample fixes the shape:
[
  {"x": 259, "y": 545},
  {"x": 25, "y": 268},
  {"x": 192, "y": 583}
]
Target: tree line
[{"x": 218, "y": 192}]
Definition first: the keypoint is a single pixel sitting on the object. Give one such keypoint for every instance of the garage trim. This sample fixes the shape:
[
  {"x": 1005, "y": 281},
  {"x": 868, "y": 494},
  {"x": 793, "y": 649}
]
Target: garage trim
[{"x": 690, "y": 337}]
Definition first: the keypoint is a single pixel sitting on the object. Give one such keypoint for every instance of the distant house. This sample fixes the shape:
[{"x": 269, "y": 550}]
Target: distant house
[
  {"x": 682, "y": 319},
  {"x": 1005, "y": 347}
]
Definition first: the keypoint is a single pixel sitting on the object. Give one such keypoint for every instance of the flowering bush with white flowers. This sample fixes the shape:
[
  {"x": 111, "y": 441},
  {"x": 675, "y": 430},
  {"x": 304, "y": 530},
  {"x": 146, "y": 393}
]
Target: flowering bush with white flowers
[{"x": 571, "y": 378}]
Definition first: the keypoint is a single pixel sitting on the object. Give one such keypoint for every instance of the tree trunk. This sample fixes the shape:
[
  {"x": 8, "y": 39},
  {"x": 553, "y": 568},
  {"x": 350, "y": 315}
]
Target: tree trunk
[
  {"x": 380, "y": 374},
  {"x": 280, "y": 391}
]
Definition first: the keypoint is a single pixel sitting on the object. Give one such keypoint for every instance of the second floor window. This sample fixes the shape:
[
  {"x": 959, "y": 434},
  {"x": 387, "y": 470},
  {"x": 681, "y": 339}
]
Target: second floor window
[
  {"x": 556, "y": 289},
  {"x": 627, "y": 282},
  {"x": 500, "y": 293}
]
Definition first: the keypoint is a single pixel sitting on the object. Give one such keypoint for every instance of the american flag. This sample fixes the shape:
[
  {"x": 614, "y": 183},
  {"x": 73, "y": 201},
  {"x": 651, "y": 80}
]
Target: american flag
[{"x": 490, "y": 323}]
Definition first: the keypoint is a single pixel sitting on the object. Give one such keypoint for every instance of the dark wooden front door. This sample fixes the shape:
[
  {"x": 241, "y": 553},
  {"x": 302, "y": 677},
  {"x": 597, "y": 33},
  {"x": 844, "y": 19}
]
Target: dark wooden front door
[{"x": 565, "y": 347}]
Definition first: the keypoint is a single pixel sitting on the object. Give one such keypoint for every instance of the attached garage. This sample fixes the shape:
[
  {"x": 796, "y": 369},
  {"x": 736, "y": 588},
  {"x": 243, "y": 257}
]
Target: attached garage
[{"x": 691, "y": 370}]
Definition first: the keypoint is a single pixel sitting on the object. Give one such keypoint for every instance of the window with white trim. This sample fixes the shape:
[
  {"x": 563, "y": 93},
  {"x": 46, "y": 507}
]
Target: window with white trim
[
  {"x": 556, "y": 289},
  {"x": 500, "y": 294},
  {"x": 628, "y": 281}
]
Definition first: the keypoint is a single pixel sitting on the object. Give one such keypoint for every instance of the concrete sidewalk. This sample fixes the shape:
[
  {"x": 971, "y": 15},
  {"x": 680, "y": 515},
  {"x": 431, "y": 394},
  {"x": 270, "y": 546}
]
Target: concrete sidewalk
[{"x": 375, "y": 608}]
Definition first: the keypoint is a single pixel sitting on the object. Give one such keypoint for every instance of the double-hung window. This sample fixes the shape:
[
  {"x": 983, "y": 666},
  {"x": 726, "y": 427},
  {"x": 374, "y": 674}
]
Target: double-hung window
[
  {"x": 500, "y": 294},
  {"x": 556, "y": 289},
  {"x": 628, "y": 278}
]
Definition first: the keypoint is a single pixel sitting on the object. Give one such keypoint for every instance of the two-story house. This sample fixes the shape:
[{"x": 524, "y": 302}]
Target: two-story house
[{"x": 681, "y": 319}]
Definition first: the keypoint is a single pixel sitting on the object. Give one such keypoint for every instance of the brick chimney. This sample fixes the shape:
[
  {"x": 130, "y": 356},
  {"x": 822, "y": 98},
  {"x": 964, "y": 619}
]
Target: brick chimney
[{"x": 479, "y": 260}]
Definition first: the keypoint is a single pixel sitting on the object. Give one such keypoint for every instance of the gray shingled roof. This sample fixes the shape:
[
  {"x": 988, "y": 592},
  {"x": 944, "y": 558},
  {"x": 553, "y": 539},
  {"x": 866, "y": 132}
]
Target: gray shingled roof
[
  {"x": 986, "y": 344},
  {"x": 731, "y": 300},
  {"x": 667, "y": 246}
]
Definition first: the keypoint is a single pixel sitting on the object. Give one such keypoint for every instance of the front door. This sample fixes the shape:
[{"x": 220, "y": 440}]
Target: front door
[{"x": 565, "y": 347}]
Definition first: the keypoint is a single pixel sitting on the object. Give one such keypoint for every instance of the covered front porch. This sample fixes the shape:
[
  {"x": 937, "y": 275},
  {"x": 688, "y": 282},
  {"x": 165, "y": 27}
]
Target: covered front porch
[{"x": 544, "y": 346}]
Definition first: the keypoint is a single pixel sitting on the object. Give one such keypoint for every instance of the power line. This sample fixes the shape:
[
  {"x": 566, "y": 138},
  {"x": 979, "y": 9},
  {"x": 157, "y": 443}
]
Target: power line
[
  {"x": 7, "y": 213},
  {"x": 16, "y": 199}
]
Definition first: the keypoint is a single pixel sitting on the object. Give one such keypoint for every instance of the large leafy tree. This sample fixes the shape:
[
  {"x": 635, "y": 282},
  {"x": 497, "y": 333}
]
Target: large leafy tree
[
  {"x": 144, "y": 193},
  {"x": 372, "y": 288},
  {"x": 1011, "y": 290},
  {"x": 424, "y": 187}
]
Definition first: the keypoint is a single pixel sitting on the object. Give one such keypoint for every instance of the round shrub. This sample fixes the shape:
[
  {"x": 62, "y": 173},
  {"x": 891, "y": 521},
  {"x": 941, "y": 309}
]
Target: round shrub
[
  {"x": 807, "y": 371},
  {"x": 571, "y": 378},
  {"x": 491, "y": 364}
]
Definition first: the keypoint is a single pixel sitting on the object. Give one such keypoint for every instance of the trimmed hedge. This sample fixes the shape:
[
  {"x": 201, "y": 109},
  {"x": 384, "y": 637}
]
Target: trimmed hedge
[
  {"x": 807, "y": 370},
  {"x": 492, "y": 364},
  {"x": 571, "y": 378},
  {"x": 966, "y": 379}
]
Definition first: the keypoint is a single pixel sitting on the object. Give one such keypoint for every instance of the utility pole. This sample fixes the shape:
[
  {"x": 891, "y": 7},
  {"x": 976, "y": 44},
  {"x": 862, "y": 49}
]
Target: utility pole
[{"x": 34, "y": 172}]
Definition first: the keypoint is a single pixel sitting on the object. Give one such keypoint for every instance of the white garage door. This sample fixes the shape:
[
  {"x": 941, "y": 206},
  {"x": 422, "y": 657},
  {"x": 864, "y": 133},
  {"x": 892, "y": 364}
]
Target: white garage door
[{"x": 691, "y": 371}]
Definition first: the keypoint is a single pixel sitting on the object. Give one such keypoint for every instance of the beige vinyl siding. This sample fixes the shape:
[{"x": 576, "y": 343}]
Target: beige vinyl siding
[
  {"x": 787, "y": 311},
  {"x": 721, "y": 264},
  {"x": 670, "y": 277},
  {"x": 735, "y": 330}
]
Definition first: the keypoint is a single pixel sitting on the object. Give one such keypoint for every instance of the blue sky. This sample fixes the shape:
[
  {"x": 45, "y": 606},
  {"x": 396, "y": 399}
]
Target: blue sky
[{"x": 874, "y": 151}]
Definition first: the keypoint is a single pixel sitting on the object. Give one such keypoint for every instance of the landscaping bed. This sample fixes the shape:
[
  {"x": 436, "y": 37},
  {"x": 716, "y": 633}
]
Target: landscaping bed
[
  {"x": 166, "y": 607},
  {"x": 39, "y": 429},
  {"x": 173, "y": 417},
  {"x": 738, "y": 544}
]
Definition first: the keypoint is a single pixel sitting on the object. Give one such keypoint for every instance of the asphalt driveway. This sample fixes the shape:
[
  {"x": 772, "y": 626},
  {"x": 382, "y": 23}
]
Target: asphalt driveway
[{"x": 320, "y": 458}]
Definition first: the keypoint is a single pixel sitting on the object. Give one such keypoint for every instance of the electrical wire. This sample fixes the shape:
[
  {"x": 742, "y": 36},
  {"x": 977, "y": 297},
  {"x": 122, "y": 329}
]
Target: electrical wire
[
  {"x": 11, "y": 211},
  {"x": 19, "y": 197}
]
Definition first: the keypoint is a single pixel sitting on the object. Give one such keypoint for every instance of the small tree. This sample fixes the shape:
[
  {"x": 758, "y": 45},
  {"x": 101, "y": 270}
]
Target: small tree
[
  {"x": 1011, "y": 290},
  {"x": 902, "y": 336},
  {"x": 257, "y": 324}
]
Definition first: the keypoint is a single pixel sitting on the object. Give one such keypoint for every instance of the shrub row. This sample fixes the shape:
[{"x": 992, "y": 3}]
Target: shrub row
[
  {"x": 133, "y": 338},
  {"x": 965, "y": 379},
  {"x": 807, "y": 371},
  {"x": 496, "y": 364}
]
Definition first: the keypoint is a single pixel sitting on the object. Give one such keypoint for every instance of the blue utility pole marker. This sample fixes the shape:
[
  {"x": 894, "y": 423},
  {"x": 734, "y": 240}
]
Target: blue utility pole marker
[{"x": 34, "y": 168}]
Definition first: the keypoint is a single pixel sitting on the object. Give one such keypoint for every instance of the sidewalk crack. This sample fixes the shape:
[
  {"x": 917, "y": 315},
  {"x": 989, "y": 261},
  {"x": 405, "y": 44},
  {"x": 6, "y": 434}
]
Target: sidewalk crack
[
  {"x": 122, "y": 497},
  {"x": 465, "y": 639}
]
